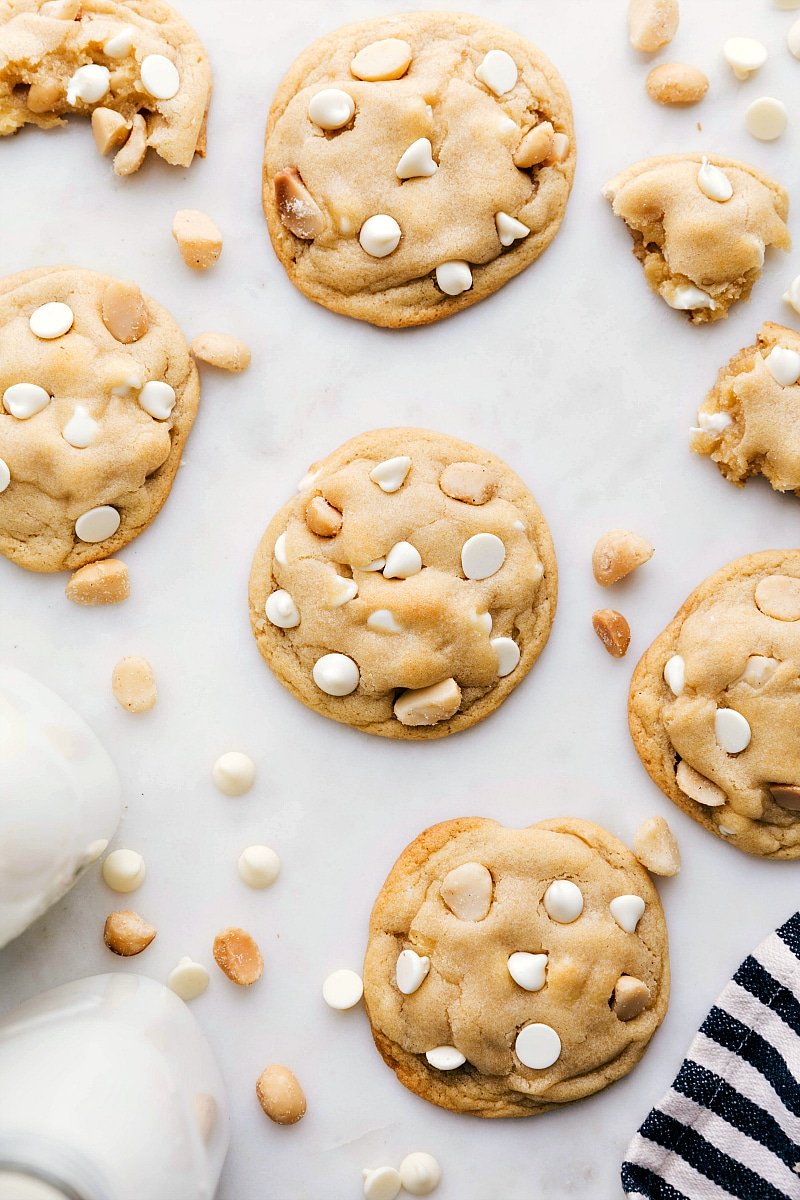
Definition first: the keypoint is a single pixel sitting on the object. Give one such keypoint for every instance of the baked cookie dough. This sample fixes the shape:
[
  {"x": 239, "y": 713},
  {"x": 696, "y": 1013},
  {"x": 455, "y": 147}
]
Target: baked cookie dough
[
  {"x": 700, "y": 227},
  {"x": 409, "y": 586},
  {"x": 98, "y": 393},
  {"x": 715, "y": 708},
  {"x": 749, "y": 423},
  {"x": 512, "y": 970},
  {"x": 414, "y": 164},
  {"x": 136, "y": 67}
]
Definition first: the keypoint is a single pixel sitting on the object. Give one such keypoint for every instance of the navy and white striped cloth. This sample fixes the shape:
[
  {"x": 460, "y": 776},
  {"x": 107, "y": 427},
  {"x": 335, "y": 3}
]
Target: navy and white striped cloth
[{"x": 730, "y": 1124}]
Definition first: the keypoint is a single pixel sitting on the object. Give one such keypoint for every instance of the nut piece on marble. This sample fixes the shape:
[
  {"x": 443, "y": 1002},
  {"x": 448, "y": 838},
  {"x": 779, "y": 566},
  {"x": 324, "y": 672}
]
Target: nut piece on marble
[
  {"x": 618, "y": 553},
  {"x": 613, "y": 631},
  {"x": 221, "y": 350},
  {"x": 676, "y": 83},
  {"x": 103, "y": 582},
  {"x": 134, "y": 684},
  {"x": 652, "y": 23},
  {"x": 126, "y": 933},
  {"x": 237, "y": 955},
  {"x": 198, "y": 237},
  {"x": 280, "y": 1095},
  {"x": 655, "y": 847}
]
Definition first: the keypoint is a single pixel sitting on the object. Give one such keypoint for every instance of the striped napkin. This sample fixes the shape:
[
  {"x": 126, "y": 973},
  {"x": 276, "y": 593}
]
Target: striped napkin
[{"x": 730, "y": 1123}]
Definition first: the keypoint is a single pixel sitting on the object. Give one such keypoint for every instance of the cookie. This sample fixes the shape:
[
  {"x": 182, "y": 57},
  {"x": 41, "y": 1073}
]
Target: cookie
[
  {"x": 700, "y": 227},
  {"x": 509, "y": 971},
  {"x": 409, "y": 586},
  {"x": 714, "y": 705},
  {"x": 137, "y": 67},
  {"x": 414, "y": 164},
  {"x": 98, "y": 393},
  {"x": 749, "y": 423}
]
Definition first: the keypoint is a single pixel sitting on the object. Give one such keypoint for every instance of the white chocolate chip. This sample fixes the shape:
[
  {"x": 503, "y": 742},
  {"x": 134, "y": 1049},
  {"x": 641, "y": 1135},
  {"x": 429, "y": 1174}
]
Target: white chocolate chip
[
  {"x": 713, "y": 182},
  {"x": 336, "y": 674},
  {"x": 792, "y": 294},
  {"x": 160, "y": 78},
  {"x": 537, "y": 1046},
  {"x": 124, "y": 870},
  {"x": 134, "y": 685},
  {"x": 428, "y": 706},
  {"x": 281, "y": 610},
  {"x": 783, "y": 365},
  {"x": 697, "y": 787},
  {"x": 81, "y": 429},
  {"x": 467, "y": 891},
  {"x": 528, "y": 970},
  {"x": 778, "y": 596},
  {"x": 686, "y": 297},
  {"x": 509, "y": 229},
  {"x": 744, "y": 55},
  {"x": 342, "y": 989},
  {"x": 563, "y": 901},
  {"x": 716, "y": 422},
  {"x": 280, "y": 549},
  {"x": 383, "y": 621},
  {"x": 411, "y": 971},
  {"x": 379, "y": 235},
  {"x": 675, "y": 674},
  {"x": 482, "y": 555},
  {"x": 508, "y": 655},
  {"x": 120, "y": 44},
  {"x": 258, "y": 867},
  {"x": 483, "y": 621},
  {"x": 127, "y": 380},
  {"x": 88, "y": 85},
  {"x": 376, "y": 565},
  {"x": 5, "y": 475},
  {"x": 402, "y": 561},
  {"x": 386, "y": 59},
  {"x": 339, "y": 591},
  {"x": 158, "y": 399},
  {"x": 382, "y": 1184},
  {"x": 417, "y": 162},
  {"x": 420, "y": 1173},
  {"x": 758, "y": 668},
  {"x": 793, "y": 39},
  {"x": 390, "y": 475},
  {"x": 766, "y": 118},
  {"x": 732, "y": 730},
  {"x": 627, "y": 911},
  {"x": 234, "y": 773},
  {"x": 188, "y": 980},
  {"x": 454, "y": 277},
  {"x": 24, "y": 400},
  {"x": 498, "y": 71},
  {"x": 331, "y": 108},
  {"x": 445, "y": 1058},
  {"x": 97, "y": 524},
  {"x": 52, "y": 320}
]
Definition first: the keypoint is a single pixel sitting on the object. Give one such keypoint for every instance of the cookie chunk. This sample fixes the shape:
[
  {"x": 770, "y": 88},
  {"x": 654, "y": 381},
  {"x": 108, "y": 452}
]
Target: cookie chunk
[
  {"x": 749, "y": 423},
  {"x": 136, "y": 67},
  {"x": 409, "y": 586},
  {"x": 414, "y": 164},
  {"x": 700, "y": 227},
  {"x": 512, "y": 970},
  {"x": 715, "y": 708},
  {"x": 98, "y": 393}
]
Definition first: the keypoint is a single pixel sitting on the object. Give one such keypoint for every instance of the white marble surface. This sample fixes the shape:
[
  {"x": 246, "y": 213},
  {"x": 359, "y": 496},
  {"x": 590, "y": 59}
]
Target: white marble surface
[{"x": 586, "y": 384}]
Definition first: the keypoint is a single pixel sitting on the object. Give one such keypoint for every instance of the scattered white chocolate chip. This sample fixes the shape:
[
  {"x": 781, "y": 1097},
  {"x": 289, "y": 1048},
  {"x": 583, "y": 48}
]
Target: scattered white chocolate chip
[
  {"x": 618, "y": 553},
  {"x": 119, "y": 44},
  {"x": 627, "y": 911},
  {"x": 428, "y": 706},
  {"x": 103, "y": 582},
  {"x": 379, "y": 235},
  {"x": 420, "y": 1173},
  {"x": 52, "y": 320},
  {"x": 110, "y": 130},
  {"x": 386, "y": 59},
  {"x": 467, "y": 891},
  {"x": 24, "y": 400},
  {"x": 783, "y": 365},
  {"x": 81, "y": 429},
  {"x": 126, "y": 933},
  {"x": 281, "y": 610},
  {"x": 390, "y": 475},
  {"x": 697, "y": 787},
  {"x": 509, "y": 229},
  {"x": 158, "y": 399},
  {"x": 134, "y": 685},
  {"x": 280, "y": 1095},
  {"x": 563, "y": 901},
  {"x": 792, "y": 294},
  {"x": 528, "y": 970},
  {"x": 199, "y": 238},
  {"x": 417, "y": 161},
  {"x": 655, "y": 847},
  {"x": 685, "y": 297},
  {"x": 188, "y": 979},
  {"x": 124, "y": 870},
  {"x": 382, "y": 1183},
  {"x": 778, "y": 596},
  {"x": 766, "y": 118},
  {"x": 508, "y": 654},
  {"x": 258, "y": 867},
  {"x": 631, "y": 997},
  {"x": 445, "y": 1058},
  {"x": 793, "y": 39},
  {"x": 454, "y": 277},
  {"x": 97, "y": 524},
  {"x": 342, "y": 989},
  {"x": 5, "y": 475},
  {"x": 234, "y": 773},
  {"x": 482, "y": 555},
  {"x": 675, "y": 674},
  {"x": 339, "y": 591},
  {"x": 744, "y": 55},
  {"x": 535, "y": 147},
  {"x": 160, "y": 78},
  {"x": 336, "y": 674},
  {"x": 402, "y": 561},
  {"x": 221, "y": 350},
  {"x": 498, "y": 71},
  {"x": 280, "y": 549},
  {"x": 758, "y": 669},
  {"x": 88, "y": 85},
  {"x": 537, "y": 1046},
  {"x": 713, "y": 182},
  {"x": 411, "y": 971},
  {"x": 130, "y": 157},
  {"x": 732, "y": 730},
  {"x": 652, "y": 23},
  {"x": 383, "y": 621},
  {"x": 331, "y": 108},
  {"x": 237, "y": 955}
]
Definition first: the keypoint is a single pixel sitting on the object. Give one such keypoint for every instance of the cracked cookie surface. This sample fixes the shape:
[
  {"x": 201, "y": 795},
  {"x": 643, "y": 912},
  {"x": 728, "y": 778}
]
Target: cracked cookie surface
[
  {"x": 537, "y": 957},
  {"x": 408, "y": 587},
  {"x": 98, "y": 393},
  {"x": 714, "y": 706},
  {"x": 420, "y": 120}
]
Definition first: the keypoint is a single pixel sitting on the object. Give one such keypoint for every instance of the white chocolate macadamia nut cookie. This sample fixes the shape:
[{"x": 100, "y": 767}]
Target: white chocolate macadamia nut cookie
[
  {"x": 408, "y": 587},
  {"x": 715, "y": 708},
  {"x": 516, "y": 1005},
  {"x": 98, "y": 393},
  {"x": 700, "y": 226},
  {"x": 749, "y": 423},
  {"x": 414, "y": 164},
  {"x": 136, "y": 64}
]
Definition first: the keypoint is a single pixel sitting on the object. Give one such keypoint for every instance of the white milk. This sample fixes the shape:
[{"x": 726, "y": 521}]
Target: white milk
[
  {"x": 109, "y": 1091},
  {"x": 60, "y": 800}
]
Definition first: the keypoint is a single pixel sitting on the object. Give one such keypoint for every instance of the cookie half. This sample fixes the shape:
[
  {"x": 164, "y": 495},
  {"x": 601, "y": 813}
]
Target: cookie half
[
  {"x": 414, "y": 164},
  {"x": 409, "y": 586},
  {"x": 700, "y": 227},
  {"x": 715, "y": 708},
  {"x": 137, "y": 68},
  {"x": 98, "y": 393},
  {"x": 512, "y": 970}
]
